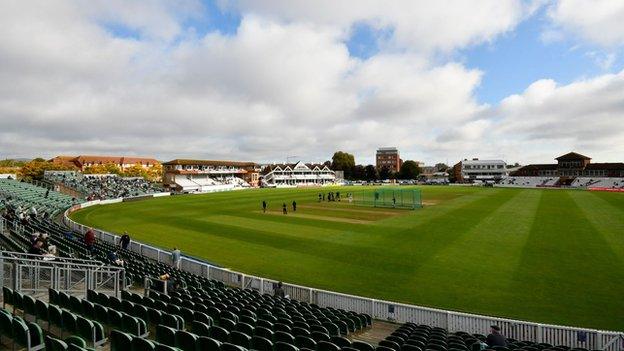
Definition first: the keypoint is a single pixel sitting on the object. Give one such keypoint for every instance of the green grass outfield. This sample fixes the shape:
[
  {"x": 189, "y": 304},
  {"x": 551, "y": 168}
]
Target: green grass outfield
[{"x": 551, "y": 256}]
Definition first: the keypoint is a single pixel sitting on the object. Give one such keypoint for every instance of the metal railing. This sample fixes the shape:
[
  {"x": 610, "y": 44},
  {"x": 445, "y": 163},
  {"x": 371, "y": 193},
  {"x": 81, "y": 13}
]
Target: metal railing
[
  {"x": 383, "y": 310},
  {"x": 35, "y": 274}
]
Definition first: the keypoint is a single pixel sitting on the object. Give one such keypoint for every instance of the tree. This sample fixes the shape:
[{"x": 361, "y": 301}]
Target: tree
[
  {"x": 36, "y": 168},
  {"x": 409, "y": 170},
  {"x": 370, "y": 173},
  {"x": 441, "y": 167},
  {"x": 343, "y": 161},
  {"x": 107, "y": 168},
  {"x": 385, "y": 173},
  {"x": 359, "y": 172}
]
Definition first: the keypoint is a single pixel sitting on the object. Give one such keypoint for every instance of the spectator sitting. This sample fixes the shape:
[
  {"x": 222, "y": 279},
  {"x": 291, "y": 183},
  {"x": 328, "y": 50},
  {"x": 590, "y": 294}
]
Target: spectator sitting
[
  {"x": 112, "y": 256},
  {"x": 279, "y": 291},
  {"x": 496, "y": 338},
  {"x": 36, "y": 248}
]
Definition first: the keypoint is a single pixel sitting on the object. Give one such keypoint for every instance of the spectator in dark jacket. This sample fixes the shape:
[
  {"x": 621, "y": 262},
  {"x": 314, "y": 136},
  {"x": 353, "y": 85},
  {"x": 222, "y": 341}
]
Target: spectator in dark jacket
[
  {"x": 279, "y": 291},
  {"x": 124, "y": 241},
  {"x": 496, "y": 338}
]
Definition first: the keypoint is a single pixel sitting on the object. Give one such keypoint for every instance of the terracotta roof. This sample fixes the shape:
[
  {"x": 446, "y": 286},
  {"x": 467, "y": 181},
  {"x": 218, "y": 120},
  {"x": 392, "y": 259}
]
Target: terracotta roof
[
  {"x": 183, "y": 162},
  {"x": 78, "y": 161},
  {"x": 115, "y": 159},
  {"x": 572, "y": 156}
]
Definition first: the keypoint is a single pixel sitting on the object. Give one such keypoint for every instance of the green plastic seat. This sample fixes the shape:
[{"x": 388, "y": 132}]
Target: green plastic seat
[
  {"x": 115, "y": 318},
  {"x": 284, "y": 337},
  {"x": 140, "y": 344},
  {"x": 200, "y": 328},
  {"x": 185, "y": 341},
  {"x": 261, "y": 344},
  {"x": 282, "y": 346},
  {"x": 327, "y": 346},
  {"x": 165, "y": 335},
  {"x": 30, "y": 305},
  {"x": 170, "y": 320},
  {"x": 264, "y": 332},
  {"x": 241, "y": 339},
  {"x": 161, "y": 347},
  {"x": 100, "y": 313},
  {"x": 75, "y": 304},
  {"x": 134, "y": 326},
  {"x": 305, "y": 342},
  {"x": 362, "y": 346},
  {"x": 88, "y": 309},
  {"x": 7, "y": 296},
  {"x": 120, "y": 341},
  {"x": 220, "y": 334},
  {"x": 53, "y": 344},
  {"x": 208, "y": 344},
  {"x": 226, "y": 346},
  {"x": 70, "y": 323},
  {"x": 341, "y": 341},
  {"x": 6, "y": 325},
  {"x": 30, "y": 335},
  {"x": 55, "y": 318},
  {"x": 77, "y": 341},
  {"x": 18, "y": 303},
  {"x": 42, "y": 311}
]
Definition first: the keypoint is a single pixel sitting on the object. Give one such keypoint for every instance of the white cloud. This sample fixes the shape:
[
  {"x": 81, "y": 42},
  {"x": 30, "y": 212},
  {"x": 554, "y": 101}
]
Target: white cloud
[
  {"x": 586, "y": 116},
  {"x": 272, "y": 89},
  {"x": 596, "y": 21},
  {"x": 436, "y": 25}
]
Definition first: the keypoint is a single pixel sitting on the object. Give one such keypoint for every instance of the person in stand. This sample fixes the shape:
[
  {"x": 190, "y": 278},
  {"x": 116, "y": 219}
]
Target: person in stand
[
  {"x": 33, "y": 212},
  {"x": 124, "y": 241},
  {"x": 279, "y": 291},
  {"x": 284, "y": 209},
  {"x": 47, "y": 193},
  {"x": 264, "y": 206},
  {"x": 114, "y": 258},
  {"x": 89, "y": 240},
  {"x": 36, "y": 248},
  {"x": 176, "y": 257},
  {"x": 495, "y": 338},
  {"x": 294, "y": 205}
]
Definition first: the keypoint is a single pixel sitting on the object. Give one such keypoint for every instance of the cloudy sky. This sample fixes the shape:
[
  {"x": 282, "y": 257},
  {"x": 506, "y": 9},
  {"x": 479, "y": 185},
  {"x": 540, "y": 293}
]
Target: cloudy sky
[{"x": 262, "y": 80}]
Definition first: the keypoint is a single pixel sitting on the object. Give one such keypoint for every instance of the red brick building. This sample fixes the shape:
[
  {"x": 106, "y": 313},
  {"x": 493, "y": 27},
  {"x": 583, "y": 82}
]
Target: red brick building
[{"x": 388, "y": 157}]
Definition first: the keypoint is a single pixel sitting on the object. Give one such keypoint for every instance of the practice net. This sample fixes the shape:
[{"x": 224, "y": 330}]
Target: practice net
[{"x": 389, "y": 197}]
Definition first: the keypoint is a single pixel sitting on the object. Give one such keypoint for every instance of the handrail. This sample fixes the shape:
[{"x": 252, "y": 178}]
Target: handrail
[{"x": 60, "y": 261}]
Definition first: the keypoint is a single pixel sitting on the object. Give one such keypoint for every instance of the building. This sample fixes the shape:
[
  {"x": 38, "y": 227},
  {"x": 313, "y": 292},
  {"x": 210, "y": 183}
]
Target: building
[
  {"x": 297, "y": 174},
  {"x": 388, "y": 157},
  {"x": 475, "y": 170},
  {"x": 83, "y": 161},
  {"x": 208, "y": 175},
  {"x": 570, "y": 166}
]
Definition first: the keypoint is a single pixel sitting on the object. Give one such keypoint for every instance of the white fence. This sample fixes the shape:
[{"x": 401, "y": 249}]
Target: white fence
[{"x": 384, "y": 310}]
